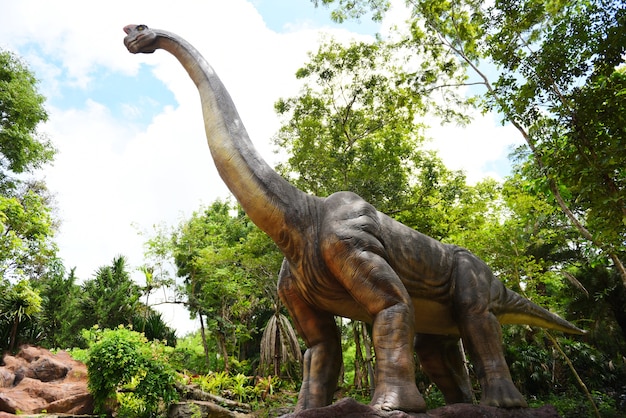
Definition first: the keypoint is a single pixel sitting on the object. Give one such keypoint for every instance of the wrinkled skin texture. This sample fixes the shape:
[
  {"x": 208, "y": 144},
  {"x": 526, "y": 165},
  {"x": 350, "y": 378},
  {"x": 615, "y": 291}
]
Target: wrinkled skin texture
[{"x": 344, "y": 258}]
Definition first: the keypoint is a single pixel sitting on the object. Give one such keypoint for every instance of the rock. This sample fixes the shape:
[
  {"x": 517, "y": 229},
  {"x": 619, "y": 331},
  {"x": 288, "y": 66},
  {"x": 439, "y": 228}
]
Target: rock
[
  {"x": 36, "y": 380},
  {"x": 6, "y": 378},
  {"x": 349, "y": 408},
  {"x": 44, "y": 369}
]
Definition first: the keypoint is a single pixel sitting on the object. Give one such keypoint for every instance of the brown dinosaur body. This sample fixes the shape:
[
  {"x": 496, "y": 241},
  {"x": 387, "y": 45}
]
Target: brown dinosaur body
[{"x": 344, "y": 258}]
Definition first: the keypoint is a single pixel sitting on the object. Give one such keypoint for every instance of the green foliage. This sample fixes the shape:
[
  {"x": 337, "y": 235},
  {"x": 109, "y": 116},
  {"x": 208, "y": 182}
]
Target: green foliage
[
  {"x": 61, "y": 301},
  {"x": 575, "y": 405},
  {"x": 531, "y": 367},
  {"x": 352, "y": 128},
  {"x": 229, "y": 268},
  {"x": 540, "y": 371},
  {"x": 238, "y": 386},
  {"x": 603, "y": 300},
  {"x": 111, "y": 298},
  {"x": 21, "y": 110},
  {"x": 433, "y": 397},
  {"x": 26, "y": 229},
  {"x": 354, "y": 9},
  {"x": 189, "y": 355},
  {"x": 125, "y": 368},
  {"x": 26, "y": 223},
  {"x": 596, "y": 369}
]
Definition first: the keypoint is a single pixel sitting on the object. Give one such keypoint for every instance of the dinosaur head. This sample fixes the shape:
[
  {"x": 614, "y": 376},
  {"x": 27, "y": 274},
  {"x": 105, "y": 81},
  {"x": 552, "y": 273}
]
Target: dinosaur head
[{"x": 140, "y": 39}]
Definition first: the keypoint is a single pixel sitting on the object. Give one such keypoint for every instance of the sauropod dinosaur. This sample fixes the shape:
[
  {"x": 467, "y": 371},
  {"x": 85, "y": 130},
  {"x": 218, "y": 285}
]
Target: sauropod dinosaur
[{"x": 344, "y": 258}]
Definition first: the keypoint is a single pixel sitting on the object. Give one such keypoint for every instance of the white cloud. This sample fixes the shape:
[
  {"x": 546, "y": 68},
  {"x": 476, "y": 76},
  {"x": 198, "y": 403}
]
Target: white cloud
[{"x": 474, "y": 148}]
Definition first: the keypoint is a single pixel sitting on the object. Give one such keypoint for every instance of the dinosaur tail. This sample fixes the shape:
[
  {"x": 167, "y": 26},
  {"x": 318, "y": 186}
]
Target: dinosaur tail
[{"x": 515, "y": 309}]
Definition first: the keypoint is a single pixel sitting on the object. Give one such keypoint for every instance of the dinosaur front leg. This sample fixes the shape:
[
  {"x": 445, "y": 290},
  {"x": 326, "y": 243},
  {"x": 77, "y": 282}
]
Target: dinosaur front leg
[
  {"x": 392, "y": 335},
  {"x": 376, "y": 287}
]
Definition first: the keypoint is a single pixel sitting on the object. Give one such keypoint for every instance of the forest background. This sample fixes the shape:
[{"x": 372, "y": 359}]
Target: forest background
[{"x": 553, "y": 230}]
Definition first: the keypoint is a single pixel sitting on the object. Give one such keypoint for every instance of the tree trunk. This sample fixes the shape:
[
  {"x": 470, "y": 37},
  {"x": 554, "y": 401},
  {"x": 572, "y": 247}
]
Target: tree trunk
[
  {"x": 204, "y": 344},
  {"x": 222, "y": 343},
  {"x": 369, "y": 358},
  {"x": 13, "y": 336},
  {"x": 360, "y": 373},
  {"x": 277, "y": 349}
]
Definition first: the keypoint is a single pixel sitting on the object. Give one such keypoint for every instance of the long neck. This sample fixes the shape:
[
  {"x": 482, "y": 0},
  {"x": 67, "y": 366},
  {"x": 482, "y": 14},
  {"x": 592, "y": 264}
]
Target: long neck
[{"x": 263, "y": 194}]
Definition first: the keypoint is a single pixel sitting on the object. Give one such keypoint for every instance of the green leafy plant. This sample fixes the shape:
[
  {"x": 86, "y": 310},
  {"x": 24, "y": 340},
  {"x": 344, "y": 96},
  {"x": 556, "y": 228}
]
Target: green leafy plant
[
  {"x": 240, "y": 387},
  {"x": 125, "y": 369},
  {"x": 213, "y": 382},
  {"x": 195, "y": 410}
]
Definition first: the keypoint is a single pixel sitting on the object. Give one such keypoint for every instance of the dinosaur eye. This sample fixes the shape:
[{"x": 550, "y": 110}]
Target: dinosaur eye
[{"x": 141, "y": 27}]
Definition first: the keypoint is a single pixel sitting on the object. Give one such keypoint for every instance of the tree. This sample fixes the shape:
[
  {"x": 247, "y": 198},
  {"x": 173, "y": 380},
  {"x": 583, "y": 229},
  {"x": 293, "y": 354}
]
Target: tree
[
  {"x": 279, "y": 346},
  {"x": 26, "y": 230},
  {"x": 18, "y": 304},
  {"x": 215, "y": 252},
  {"x": 556, "y": 77},
  {"x": 111, "y": 298},
  {"x": 152, "y": 325},
  {"x": 26, "y": 224},
  {"x": 352, "y": 127},
  {"x": 22, "y": 149},
  {"x": 61, "y": 297}
]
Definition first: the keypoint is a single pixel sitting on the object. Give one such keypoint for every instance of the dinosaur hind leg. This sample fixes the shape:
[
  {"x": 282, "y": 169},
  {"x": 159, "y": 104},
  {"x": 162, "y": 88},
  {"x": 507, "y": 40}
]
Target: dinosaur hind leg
[
  {"x": 442, "y": 359},
  {"x": 482, "y": 334}
]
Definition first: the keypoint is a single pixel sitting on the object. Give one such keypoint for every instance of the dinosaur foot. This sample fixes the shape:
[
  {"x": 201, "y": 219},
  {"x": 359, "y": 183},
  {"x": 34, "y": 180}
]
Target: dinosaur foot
[
  {"x": 502, "y": 393},
  {"x": 398, "y": 398}
]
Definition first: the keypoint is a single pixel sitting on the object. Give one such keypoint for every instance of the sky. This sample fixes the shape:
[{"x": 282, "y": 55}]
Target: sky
[{"x": 131, "y": 150}]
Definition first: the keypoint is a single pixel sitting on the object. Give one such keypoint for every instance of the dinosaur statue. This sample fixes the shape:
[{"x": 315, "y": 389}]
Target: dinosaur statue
[{"x": 344, "y": 258}]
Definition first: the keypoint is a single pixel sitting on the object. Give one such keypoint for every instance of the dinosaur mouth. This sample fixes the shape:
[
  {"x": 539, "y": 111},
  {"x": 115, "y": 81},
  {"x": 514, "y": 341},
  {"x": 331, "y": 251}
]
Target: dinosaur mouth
[{"x": 133, "y": 42}]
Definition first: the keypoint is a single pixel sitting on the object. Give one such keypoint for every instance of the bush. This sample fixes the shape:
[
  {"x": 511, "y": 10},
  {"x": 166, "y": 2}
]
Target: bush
[
  {"x": 574, "y": 404},
  {"x": 124, "y": 368}
]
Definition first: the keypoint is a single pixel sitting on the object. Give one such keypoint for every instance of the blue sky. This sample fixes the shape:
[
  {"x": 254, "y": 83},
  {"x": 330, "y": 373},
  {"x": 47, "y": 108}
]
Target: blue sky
[
  {"x": 280, "y": 15},
  {"x": 128, "y": 129}
]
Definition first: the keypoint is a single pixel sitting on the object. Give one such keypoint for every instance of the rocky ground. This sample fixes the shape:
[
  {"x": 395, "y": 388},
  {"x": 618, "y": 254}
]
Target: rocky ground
[{"x": 36, "y": 380}]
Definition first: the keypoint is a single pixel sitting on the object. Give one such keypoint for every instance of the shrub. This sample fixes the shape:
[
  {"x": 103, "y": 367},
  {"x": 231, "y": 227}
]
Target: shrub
[{"x": 123, "y": 367}]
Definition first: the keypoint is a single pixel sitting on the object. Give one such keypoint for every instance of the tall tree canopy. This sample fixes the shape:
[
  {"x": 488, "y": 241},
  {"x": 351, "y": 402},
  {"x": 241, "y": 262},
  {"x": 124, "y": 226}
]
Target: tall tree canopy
[
  {"x": 111, "y": 297},
  {"x": 354, "y": 127},
  {"x": 552, "y": 69},
  {"x": 21, "y": 110},
  {"x": 26, "y": 222}
]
